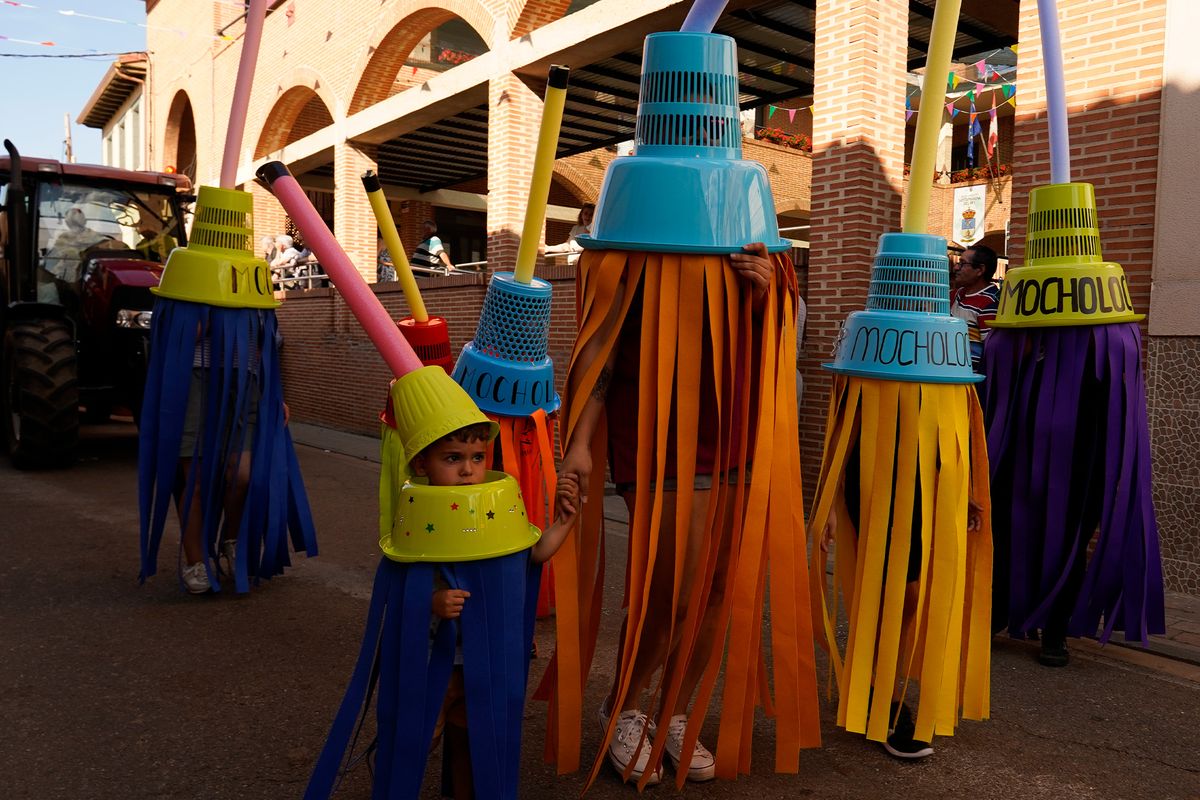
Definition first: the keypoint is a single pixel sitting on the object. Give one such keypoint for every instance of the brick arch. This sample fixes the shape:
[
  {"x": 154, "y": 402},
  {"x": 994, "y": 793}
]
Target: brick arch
[
  {"x": 792, "y": 205},
  {"x": 533, "y": 14},
  {"x": 399, "y": 30},
  {"x": 179, "y": 141},
  {"x": 573, "y": 180},
  {"x": 298, "y": 111}
]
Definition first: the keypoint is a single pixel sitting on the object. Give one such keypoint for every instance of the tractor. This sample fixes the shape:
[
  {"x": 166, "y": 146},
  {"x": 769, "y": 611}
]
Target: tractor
[{"x": 80, "y": 248}]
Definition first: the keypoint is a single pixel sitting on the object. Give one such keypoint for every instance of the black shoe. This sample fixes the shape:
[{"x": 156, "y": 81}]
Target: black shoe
[
  {"x": 1054, "y": 651},
  {"x": 900, "y": 742}
]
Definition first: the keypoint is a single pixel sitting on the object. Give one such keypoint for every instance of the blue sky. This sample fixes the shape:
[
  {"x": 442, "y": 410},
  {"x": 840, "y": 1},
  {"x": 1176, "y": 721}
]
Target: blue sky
[{"x": 37, "y": 91}]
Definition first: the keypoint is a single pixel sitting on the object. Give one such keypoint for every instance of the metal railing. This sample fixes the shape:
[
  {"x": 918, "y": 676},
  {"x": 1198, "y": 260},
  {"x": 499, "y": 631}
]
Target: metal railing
[{"x": 307, "y": 275}]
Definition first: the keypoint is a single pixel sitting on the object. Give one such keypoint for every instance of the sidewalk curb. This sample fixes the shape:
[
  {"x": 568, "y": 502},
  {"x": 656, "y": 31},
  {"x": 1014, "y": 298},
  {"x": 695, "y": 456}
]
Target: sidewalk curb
[{"x": 354, "y": 445}]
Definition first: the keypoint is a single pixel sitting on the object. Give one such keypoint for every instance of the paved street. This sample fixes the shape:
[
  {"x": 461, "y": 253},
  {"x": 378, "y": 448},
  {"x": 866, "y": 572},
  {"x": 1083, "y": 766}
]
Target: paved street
[{"x": 114, "y": 690}]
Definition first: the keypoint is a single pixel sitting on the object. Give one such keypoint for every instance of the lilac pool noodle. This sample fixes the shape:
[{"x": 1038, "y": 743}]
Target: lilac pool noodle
[
  {"x": 363, "y": 303},
  {"x": 241, "y": 92},
  {"x": 1056, "y": 93},
  {"x": 703, "y": 16}
]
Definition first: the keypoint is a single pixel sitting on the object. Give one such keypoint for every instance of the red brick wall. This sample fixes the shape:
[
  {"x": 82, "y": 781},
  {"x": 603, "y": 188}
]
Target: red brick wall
[{"x": 332, "y": 374}]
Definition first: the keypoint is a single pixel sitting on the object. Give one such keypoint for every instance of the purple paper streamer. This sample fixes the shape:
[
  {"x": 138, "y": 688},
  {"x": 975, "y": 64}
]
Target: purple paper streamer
[{"x": 1069, "y": 447}]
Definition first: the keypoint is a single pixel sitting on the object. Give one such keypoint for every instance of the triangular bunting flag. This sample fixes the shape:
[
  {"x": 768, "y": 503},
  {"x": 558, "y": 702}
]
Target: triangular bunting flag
[
  {"x": 791, "y": 115},
  {"x": 981, "y": 65},
  {"x": 908, "y": 114},
  {"x": 950, "y": 108},
  {"x": 770, "y": 111},
  {"x": 971, "y": 96},
  {"x": 1007, "y": 89}
]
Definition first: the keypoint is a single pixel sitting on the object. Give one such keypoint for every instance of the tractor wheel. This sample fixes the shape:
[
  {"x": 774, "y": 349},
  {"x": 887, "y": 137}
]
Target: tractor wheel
[{"x": 41, "y": 394}]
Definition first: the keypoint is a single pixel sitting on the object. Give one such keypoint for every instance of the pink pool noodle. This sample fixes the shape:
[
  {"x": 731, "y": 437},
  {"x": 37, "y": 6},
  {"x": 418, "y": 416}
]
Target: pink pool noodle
[
  {"x": 363, "y": 303},
  {"x": 241, "y": 92}
]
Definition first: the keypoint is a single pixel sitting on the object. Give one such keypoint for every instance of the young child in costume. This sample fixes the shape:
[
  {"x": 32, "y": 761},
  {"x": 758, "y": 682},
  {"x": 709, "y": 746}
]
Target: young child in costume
[
  {"x": 888, "y": 529},
  {"x": 213, "y": 433},
  {"x": 459, "y": 459},
  {"x": 459, "y": 549},
  {"x": 213, "y": 393}
]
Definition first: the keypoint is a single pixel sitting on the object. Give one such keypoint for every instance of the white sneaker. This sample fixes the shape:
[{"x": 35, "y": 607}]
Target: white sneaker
[
  {"x": 703, "y": 767},
  {"x": 630, "y": 743},
  {"x": 195, "y": 578},
  {"x": 229, "y": 553},
  {"x": 603, "y": 715}
]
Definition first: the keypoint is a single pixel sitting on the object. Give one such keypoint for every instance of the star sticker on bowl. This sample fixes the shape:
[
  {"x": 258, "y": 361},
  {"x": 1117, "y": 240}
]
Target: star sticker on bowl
[
  {"x": 429, "y": 528},
  {"x": 454, "y": 506},
  {"x": 491, "y": 515}
]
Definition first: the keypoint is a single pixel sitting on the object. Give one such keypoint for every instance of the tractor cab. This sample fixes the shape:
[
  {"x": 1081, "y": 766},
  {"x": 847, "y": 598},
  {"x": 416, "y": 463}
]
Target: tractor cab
[{"x": 82, "y": 247}]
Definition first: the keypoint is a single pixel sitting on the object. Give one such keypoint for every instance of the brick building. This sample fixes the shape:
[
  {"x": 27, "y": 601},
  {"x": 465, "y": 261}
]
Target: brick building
[{"x": 440, "y": 97}]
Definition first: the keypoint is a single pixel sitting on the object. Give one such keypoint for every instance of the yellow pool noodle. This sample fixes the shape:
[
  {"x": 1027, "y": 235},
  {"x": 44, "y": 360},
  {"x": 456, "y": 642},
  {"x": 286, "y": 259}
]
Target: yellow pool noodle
[
  {"x": 929, "y": 115},
  {"x": 391, "y": 238},
  {"x": 543, "y": 170}
]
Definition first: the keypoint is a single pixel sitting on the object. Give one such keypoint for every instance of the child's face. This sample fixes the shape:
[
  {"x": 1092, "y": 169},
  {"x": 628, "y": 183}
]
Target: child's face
[{"x": 452, "y": 463}]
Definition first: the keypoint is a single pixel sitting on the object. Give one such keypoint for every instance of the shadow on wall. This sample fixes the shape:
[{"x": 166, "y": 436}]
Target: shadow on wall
[{"x": 841, "y": 252}]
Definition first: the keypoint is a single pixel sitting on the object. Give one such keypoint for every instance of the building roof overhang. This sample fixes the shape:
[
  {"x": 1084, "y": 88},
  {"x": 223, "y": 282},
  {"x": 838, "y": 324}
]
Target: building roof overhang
[{"x": 124, "y": 78}]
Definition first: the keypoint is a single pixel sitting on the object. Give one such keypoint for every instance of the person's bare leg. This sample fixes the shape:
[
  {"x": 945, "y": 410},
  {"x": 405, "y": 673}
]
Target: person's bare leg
[
  {"x": 237, "y": 483},
  {"x": 711, "y": 626},
  {"x": 191, "y": 525},
  {"x": 908, "y": 628},
  {"x": 459, "y": 745},
  {"x": 653, "y": 646}
]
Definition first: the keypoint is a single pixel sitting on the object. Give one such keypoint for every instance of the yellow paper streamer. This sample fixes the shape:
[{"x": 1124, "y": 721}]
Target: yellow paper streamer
[{"x": 905, "y": 430}]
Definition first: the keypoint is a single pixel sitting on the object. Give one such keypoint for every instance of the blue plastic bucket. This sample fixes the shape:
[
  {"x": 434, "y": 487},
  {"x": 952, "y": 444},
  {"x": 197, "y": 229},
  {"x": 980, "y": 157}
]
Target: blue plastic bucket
[
  {"x": 505, "y": 368},
  {"x": 686, "y": 188},
  {"x": 906, "y": 332}
]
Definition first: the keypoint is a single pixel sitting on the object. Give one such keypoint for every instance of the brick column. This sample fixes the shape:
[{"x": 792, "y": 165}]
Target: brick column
[
  {"x": 269, "y": 219},
  {"x": 514, "y": 115},
  {"x": 858, "y": 169},
  {"x": 353, "y": 223}
]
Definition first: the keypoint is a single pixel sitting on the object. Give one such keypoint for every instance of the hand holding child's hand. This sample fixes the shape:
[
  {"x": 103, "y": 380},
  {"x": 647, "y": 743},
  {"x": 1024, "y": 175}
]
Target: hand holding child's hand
[
  {"x": 974, "y": 516},
  {"x": 566, "y": 496},
  {"x": 448, "y": 603},
  {"x": 577, "y": 464}
]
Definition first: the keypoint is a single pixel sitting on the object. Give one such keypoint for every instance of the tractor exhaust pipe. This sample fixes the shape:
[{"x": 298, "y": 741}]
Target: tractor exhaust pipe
[{"x": 18, "y": 232}]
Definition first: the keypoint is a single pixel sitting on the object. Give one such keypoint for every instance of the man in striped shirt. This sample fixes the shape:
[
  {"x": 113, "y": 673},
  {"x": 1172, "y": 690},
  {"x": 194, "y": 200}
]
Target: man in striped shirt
[
  {"x": 975, "y": 297},
  {"x": 430, "y": 253}
]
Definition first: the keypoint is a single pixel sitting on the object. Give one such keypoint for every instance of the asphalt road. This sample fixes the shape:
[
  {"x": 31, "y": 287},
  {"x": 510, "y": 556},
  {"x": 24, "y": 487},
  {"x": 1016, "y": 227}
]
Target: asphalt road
[{"x": 114, "y": 690}]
